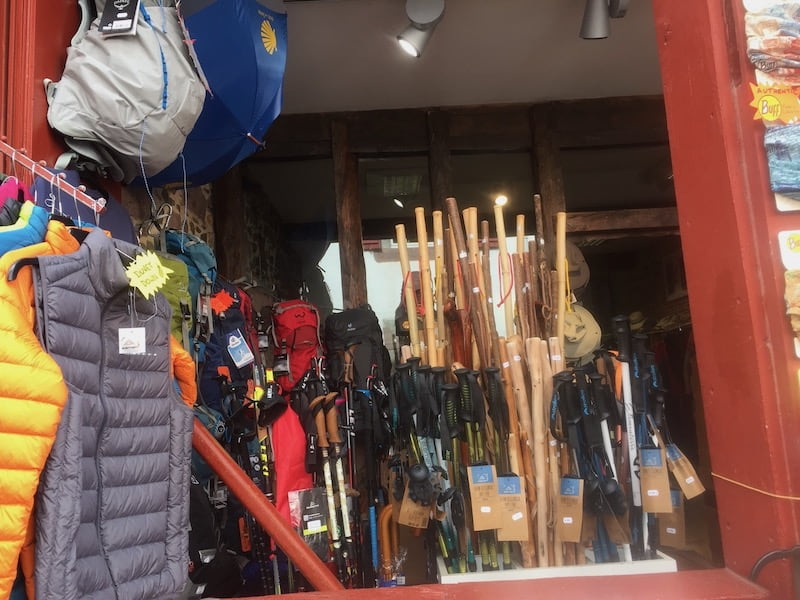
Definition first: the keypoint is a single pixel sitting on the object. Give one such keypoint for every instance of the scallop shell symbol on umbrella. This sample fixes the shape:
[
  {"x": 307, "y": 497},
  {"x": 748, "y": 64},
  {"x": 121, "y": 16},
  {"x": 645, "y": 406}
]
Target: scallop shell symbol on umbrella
[{"x": 239, "y": 49}]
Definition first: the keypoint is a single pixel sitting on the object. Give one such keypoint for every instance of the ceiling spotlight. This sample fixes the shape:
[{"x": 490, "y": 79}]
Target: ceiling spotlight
[
  {"x": 501, "y": 200},
  {"x": 398, "y": 203},
  {"x": 595, "y": 25},
  {"x": 423, "y": 16}
]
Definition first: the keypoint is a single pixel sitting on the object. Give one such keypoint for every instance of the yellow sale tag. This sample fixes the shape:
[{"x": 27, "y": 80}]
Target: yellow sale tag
[
  {"x": 775, "y": 103},
  {"x": 147, "y": 274}
]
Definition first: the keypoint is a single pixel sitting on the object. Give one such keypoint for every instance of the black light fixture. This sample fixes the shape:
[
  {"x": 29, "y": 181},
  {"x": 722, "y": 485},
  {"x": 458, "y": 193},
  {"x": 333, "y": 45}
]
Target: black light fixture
[
  {"x": 423, "y": 15},
  {"x": 597, "y": 15}
]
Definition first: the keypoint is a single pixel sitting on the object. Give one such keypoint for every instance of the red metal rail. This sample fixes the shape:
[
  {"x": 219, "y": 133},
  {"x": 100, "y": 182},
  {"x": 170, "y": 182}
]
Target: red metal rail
[{"x": 266, "y": 515}]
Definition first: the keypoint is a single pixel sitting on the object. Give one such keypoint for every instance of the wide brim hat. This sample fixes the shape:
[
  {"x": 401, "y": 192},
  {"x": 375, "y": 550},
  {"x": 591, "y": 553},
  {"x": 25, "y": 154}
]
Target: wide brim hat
[{"x": 581, "y": 333}]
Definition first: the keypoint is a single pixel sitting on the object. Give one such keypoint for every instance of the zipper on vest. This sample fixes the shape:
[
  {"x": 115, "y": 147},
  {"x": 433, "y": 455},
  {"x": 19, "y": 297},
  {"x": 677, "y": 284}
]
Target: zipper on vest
[{"x": 100, "y": 432}]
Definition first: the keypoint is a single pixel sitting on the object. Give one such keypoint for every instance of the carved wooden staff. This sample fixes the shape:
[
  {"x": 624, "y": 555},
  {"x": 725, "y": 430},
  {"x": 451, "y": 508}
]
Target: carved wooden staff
[
  {"x": 553, "y": 449},
  {"x": 408, "y": 289},
  {"x": 561, "y": 270},
  {"x": 440, "y": 287},
  {"x": 533, "y": 351},
  {"x": 488, "y": 293},
  {"x": 506, "y": 280},
  {"x": 476, "y": 316},
  {"x": 545, "y": 286},
  {"x": 425, "y": 285}
]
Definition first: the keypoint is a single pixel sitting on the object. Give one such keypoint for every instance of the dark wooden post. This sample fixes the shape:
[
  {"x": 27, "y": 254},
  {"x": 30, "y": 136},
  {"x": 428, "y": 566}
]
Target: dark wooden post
[
  {"x": 348, "y": 217},
  {"x": 545, "y": 155},
  {"x": 439, "y": 166},
  {"x": 230, "y": 241}
]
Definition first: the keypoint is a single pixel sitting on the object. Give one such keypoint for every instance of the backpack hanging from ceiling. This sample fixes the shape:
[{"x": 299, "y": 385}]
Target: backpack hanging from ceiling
[{"x": 128, "y": 102}]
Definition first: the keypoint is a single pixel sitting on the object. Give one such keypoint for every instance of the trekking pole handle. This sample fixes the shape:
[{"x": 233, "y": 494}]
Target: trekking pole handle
[
  {"x": 622, "y": 331},
  {"x": 331, "y": 418}
]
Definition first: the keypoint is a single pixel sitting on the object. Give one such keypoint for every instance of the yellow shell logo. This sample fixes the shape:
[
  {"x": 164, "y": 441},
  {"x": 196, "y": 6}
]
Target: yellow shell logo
[{"x": 268, "y": 37}]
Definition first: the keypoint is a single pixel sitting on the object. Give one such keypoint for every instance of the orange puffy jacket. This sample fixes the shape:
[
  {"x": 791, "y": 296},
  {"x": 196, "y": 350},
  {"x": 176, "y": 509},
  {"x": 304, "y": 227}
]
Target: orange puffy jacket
[{"x": 32, "y": 394}]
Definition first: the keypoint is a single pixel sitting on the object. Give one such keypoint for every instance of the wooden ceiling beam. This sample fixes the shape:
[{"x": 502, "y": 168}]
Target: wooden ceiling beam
[{"x": 601, "y": 122}]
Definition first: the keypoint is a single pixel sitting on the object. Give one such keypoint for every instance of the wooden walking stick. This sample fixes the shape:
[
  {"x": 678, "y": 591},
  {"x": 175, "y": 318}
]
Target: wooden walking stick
[
  {"x": 440, "y": 287},
  {"x": 561, "y": 270},
  {"x": 533, "y": 351},
  {"x": 474, "y": 303},
  {"x": 545, "y": 290},
  {"x": 408, "y": 289},
  {"x": 506, "y": 281},
  {"x": 425, "y": 284},
  {"x": 488, "y": 292},
  {"x": 554, "y": 363}
]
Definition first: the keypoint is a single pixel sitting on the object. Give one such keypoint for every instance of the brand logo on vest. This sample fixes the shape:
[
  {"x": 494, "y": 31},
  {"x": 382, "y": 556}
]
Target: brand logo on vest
[{"x": 268, "y": 37}]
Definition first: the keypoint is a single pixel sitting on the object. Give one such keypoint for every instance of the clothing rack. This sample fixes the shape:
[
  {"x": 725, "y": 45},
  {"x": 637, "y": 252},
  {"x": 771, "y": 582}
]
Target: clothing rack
[{"x": 18, "y": 157}]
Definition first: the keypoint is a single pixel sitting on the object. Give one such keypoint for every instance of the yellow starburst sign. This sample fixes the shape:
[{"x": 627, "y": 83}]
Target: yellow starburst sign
[
  {"x": 147, "y": 274},
  {"x": 775, "y": 103},
  {"x": 268, "y": 37}
]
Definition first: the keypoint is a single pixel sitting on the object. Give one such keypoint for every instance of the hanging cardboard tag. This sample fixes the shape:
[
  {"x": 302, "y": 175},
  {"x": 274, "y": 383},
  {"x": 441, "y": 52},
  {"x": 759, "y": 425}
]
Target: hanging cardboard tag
[
  {"x": 618, "y": 528},
  {"x": 569, "y": 509},
  {"x": 672, "y": 526},
  {"x": 513, "y": 510},
  {"x": 684, "y": 472},
  {"x": 588, "y": 528},
  {"x": 147, "y": 274},
  {"x": 413, "y": 514},
  {"x": 654, "y": 480},
  {"x": 132, "y": 340},
  {"x": 239, "y": 350},
  {"x": 485, "y": 501}
]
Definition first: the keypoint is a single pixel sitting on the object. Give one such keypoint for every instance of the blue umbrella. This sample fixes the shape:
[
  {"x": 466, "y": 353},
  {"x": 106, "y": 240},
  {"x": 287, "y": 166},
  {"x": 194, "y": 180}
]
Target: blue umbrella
[{"x": 239, "y": 47}]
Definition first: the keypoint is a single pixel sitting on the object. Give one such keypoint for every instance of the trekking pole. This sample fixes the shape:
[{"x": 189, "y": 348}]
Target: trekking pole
[
  {"x": 317, "y": 409},
  {"x": 622, "y": 332},
  {"x": 523, "y": 297},
  {"x": 336, "y": 445},
  {"x": 561, "y": 273},
  {"x": 556, "y": 364},
  {"x": 543, "y": 272},
  {"x": 408, "y": 289},
  {"x": 552, "y": 473},
  {"x": 487, "y": 292}
]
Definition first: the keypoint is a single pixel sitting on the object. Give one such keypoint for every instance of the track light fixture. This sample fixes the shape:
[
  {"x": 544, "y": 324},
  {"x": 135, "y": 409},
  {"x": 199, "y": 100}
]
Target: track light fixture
[
  {"x": 423, "y": 15},
  {"x": 595, "y": 25}
]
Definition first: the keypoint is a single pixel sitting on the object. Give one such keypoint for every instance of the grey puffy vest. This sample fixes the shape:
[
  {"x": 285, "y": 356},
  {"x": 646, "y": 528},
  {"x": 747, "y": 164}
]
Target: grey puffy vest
[{"x": 112, "y": 511}]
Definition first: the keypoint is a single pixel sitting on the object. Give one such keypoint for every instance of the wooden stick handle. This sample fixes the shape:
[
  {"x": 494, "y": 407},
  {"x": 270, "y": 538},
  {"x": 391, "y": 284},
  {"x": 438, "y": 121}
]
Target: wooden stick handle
[
  {"x": 425, "y": 284},
  {"x": 408, "y": 289}
]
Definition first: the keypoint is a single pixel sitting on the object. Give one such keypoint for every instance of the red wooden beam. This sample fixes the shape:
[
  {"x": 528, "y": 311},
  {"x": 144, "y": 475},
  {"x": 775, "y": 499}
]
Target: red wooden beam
[
  {"x": 266, "y": 515},
  {"x": 729, "y": 223}
]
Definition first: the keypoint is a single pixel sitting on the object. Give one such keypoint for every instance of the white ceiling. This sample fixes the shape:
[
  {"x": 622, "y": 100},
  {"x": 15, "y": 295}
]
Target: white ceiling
[{"x": 343, "y": 55}]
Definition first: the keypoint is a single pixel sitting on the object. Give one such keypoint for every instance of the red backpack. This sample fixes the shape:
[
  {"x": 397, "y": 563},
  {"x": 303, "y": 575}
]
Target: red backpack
[{"x": 295, "y": 333}]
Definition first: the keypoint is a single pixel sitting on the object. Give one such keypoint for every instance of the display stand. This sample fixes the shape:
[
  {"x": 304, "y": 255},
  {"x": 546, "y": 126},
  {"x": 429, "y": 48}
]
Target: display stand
[
  {"x": 18, "y": 157},
  {"x": 662, "y": 564}
]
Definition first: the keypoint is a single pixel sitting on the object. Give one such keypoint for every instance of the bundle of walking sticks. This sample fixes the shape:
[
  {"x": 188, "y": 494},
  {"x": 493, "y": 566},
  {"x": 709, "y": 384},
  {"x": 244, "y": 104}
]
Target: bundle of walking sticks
[{"x": 513, "y": 457}]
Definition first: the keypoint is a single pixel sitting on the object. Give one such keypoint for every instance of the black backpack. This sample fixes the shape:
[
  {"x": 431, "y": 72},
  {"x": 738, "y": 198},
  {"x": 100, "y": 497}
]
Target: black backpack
[
  {"x": 354, "y": 336},
  {"x": 213, "y": 571}
]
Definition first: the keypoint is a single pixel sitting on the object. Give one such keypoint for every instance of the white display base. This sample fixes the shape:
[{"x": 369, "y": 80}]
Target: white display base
[{"x": 662, "y": 564}]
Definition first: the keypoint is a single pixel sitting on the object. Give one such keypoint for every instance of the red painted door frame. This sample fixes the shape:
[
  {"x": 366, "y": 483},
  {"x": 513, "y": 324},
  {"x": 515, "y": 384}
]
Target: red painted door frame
[
  {"x": 728, "y": 221},
  {"x": 36, "y": 32}
]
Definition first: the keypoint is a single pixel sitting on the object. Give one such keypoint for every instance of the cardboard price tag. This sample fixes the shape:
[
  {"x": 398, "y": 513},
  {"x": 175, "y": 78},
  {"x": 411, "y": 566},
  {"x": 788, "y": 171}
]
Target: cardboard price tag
[
  {"x": 655, "y": 481},
  {"x": 684, "y": 472},
  {"x": 413, "y": 514},
  {"x": 569, "y": 509},
  {"x": 513, "y": 510},
  {"x": 672, "y": 526},
  {"x": 485, "y": 501}
]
